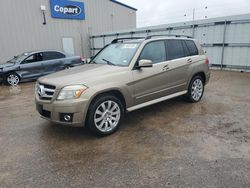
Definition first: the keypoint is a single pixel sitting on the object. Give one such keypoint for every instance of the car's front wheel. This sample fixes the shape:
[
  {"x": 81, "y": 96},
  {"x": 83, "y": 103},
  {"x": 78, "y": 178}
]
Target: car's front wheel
[
  {"x": 196, "y": 89},
  {"x": 12, "y": 79},
  {"x": 105, "y": 115}
]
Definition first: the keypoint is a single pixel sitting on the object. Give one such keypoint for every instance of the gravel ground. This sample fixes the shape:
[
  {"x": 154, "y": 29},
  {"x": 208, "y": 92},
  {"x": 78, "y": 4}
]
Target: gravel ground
[{"x": 171, "y": 144}]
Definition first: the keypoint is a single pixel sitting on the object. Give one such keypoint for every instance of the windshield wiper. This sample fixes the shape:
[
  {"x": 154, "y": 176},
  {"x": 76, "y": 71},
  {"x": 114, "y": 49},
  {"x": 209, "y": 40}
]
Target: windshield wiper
[{"x": 108, "y": 62}]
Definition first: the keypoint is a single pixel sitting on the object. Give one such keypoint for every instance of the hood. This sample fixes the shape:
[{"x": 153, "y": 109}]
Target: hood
[
  {"x": 5, "y": 65},
  {"x": 86, "y": 74}
]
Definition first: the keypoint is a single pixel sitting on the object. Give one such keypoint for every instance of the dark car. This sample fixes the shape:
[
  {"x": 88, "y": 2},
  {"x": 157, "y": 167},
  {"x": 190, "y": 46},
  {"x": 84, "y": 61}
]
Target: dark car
[{"x": 31, "y": 65}]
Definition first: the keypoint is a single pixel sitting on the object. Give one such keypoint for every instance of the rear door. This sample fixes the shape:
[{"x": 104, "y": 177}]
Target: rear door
[
  {"x": 53, "y": 61},
  {"x": 32, "y": 66},
  {"x": 193, "y": 52},
  {"x": 178, "y": 64}
]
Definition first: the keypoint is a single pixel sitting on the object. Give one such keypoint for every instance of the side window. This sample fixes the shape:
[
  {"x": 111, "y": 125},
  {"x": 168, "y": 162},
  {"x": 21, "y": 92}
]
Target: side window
[
  {"x": 52, "y": 55},
  {"x": 174, "y": 49},
  {"x": 154, "y": 51},
  {"x": 33, "y": 58},
  {"x": 191, "y": 47},
  {"x": 186, "y": 51}
]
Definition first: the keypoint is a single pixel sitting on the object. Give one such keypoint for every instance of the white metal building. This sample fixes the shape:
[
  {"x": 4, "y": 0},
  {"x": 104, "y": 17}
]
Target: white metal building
[
  {"x": 28, "y": 25},
  {"x": 226, "y": 39}
]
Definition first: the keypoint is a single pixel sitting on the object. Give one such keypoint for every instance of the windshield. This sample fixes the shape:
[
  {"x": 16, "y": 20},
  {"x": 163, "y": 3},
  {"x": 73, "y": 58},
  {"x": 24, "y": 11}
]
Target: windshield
[
  {"x": 18, "y": 58},
  {"x": 119, "y": 54}
]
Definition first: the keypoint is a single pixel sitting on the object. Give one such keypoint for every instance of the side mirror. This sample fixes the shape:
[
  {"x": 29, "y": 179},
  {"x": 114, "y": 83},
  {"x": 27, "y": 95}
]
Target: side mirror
[{"x": 145, "y": 63}]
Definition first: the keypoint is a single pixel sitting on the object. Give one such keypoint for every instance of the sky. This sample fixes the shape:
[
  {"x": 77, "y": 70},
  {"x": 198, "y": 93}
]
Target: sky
[{"x": 158, "y": 12}]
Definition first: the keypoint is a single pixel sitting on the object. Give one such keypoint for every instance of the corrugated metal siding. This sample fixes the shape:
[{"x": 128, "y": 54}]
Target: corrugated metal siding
[
  {"x": 22, "y": 29},
  {"x": 209, "y": 32}
]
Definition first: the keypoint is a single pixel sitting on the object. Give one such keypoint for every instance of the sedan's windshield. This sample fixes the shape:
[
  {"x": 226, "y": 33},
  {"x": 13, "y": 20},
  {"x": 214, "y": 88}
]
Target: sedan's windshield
[
  {"x": 18, "y": 58},
  {"x": 119, "y": 54}
]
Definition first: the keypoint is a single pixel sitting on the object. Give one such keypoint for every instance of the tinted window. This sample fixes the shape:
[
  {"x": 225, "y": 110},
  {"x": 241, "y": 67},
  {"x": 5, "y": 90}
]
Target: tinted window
[
  {"x": 33, "y": 58},
  {"x": 174, "y": 49},
  {"x": 191, "y": 47},
  {"x": 52, "y": 55},
  {"x": 185, "y": 48},
  {"x": 154, "y": 51}
]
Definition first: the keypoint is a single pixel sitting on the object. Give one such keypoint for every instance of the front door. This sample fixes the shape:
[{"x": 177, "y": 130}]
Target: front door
[
  {"x": 32, "y": 66},
  {"x": 151, "y": 83}
]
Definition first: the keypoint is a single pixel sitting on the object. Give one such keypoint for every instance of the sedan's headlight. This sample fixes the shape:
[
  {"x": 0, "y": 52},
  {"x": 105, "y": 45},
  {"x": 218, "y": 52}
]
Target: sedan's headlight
[{"x": 71, "y": 92}]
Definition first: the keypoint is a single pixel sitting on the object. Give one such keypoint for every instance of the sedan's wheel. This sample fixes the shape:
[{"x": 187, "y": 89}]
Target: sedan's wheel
[
  {"x": 105, "y": 115},
  {"x": 196, "y": 89},
  {"x": 12, "y": 79},
  {"x": 67, "y": 67}
]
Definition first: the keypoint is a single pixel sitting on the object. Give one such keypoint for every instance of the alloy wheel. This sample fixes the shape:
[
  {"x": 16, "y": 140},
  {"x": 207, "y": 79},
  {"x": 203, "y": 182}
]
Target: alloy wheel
[
  {"x": 13, "y": 79},
  {"x": 197, "y": 89},
  {"x": 107, "y": 116}
]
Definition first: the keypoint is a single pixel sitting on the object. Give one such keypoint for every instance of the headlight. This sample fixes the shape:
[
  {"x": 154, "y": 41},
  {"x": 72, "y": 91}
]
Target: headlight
[{"x": 71, "y": 92}]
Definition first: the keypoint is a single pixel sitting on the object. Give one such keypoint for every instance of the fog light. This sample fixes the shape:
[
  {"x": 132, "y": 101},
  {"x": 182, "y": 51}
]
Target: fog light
[{"x": 67, "y": 118}]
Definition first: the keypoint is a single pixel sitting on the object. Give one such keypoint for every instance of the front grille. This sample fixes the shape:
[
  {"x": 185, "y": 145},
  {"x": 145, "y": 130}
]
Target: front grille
[{"x": 45, "y": 92}]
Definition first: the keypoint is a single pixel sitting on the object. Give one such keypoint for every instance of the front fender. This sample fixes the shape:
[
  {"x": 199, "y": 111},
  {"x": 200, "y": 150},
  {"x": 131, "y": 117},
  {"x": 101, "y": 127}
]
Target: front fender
[
  {"x": 125, "y": 90},
  {"x": 12, "y": 69}
]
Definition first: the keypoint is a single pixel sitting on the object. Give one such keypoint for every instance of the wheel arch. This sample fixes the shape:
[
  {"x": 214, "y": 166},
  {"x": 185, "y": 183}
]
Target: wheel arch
[
  {"x": 12, "y": 71},
  {"x": 201, "y": 74},
  {"x": 114, "y": 92}
]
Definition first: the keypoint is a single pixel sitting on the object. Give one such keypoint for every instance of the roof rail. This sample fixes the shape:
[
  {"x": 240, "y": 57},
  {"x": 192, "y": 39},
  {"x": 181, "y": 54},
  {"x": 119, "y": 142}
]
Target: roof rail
[
  {"x": 147, "y": 37},
  {"x": 127, "y": 38},
  {"x": 167, "y": 35}
]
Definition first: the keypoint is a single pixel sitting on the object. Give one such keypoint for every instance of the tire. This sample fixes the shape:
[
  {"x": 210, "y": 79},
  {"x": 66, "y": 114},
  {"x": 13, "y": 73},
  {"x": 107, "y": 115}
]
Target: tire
[
  {"x": 67, "y": 67},
  {"x": 11, "y": 79},
  {"x": 105, "y": 115},
  {"x": 195, "y": 89}
]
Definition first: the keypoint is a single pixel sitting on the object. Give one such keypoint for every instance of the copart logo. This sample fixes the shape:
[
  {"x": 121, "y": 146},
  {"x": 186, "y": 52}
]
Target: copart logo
[{"x": 68, "y": 9}]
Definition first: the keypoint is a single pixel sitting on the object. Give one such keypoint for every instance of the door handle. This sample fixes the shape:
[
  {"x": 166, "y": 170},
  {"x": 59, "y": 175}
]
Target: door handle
[
  {"x": 165, "y": 68},
  {"x": 189, "y": 60}
]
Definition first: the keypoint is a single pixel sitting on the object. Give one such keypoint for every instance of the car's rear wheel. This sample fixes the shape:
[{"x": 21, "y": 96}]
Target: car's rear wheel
[
  {"x": 67, "y": 66},
  {"x": 196, "y": 89},
  {"x": 12, "y": 79},
  {"x": 105, "y": 115}
]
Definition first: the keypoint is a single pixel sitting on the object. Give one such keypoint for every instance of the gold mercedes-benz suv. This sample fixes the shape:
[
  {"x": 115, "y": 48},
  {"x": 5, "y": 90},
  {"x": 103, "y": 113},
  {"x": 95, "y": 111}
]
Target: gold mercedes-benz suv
[{"x": 126, "y": 75}]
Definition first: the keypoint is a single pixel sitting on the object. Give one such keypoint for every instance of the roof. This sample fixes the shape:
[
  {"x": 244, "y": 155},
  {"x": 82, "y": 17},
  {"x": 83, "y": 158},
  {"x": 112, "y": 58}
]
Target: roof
[
  {"x": 122, "y": 4},
  {"x": 152, "y": 37}
]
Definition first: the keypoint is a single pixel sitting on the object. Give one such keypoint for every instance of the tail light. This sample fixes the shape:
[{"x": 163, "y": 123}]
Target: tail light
[
  {"x": 82, "y": 59},
  {"x": 207, "y": 61}
]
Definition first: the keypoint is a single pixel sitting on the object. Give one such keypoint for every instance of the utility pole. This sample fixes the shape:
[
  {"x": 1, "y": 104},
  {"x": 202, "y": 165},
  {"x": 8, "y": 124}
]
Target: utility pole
[
  {"x": 193, "y": 21},
  {"x": 112, "y": 21}
]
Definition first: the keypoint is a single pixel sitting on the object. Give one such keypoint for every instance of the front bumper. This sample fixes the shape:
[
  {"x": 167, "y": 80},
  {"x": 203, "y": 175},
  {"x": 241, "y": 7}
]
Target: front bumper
[
  {"x": 55, "y": 111},
  {"x": 1, "y": 77}
]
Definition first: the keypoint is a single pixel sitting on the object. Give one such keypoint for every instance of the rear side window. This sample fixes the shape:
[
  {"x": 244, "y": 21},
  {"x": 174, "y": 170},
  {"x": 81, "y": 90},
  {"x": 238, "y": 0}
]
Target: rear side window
[
  {"x": 52, "y": 55},
  {"x": 174, "y": 49},
  {"x": 154, "y": 51},
  {"x": 191, "y": 48}
]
